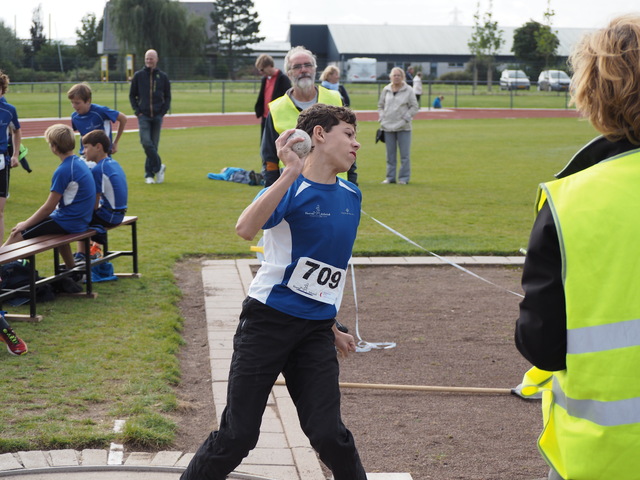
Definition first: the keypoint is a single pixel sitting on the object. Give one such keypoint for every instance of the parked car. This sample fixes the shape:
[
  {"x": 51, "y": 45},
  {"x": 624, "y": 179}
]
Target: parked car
[
  {"x": 514, "y": 80},
  {"x": 556, "y": 80}
]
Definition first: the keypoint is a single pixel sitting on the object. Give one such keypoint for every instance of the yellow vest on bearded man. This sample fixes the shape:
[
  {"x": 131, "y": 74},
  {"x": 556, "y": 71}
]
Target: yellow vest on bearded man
[{"x": 284, "y": 112}]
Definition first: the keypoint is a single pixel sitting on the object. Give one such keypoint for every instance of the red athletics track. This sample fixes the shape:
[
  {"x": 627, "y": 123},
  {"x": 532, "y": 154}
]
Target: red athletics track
[{"x": 36, "y": 127}]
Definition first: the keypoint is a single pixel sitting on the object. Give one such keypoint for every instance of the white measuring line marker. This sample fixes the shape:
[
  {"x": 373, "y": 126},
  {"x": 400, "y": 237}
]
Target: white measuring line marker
[{"x": 116, "y": 451}]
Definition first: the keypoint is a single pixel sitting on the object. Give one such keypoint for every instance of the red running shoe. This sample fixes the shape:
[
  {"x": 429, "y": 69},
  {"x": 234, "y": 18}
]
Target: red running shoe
[{"x": 14, "y": 344}]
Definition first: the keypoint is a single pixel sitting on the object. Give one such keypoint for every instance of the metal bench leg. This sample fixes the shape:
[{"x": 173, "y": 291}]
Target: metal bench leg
[
  {"x": 32, "y": 286},
  {"x": 87, "y": 265},
  {"x": 134, "y": 246}
]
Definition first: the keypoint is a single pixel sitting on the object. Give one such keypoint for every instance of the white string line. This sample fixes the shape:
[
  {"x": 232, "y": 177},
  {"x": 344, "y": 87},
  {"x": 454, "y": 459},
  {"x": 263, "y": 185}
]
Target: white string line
[
  {"x": 363, "y": 346},
  {"x": 453, "y": 264}
]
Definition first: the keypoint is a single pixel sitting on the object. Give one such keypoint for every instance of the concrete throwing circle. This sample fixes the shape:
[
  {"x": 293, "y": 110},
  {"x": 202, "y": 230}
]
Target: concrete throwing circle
[{"x": 119, "y": 472}]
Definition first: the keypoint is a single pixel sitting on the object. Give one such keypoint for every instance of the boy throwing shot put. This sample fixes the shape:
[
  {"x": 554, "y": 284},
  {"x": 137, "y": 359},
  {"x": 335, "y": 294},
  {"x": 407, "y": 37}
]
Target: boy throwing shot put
[{"x": 310, "y": 219}]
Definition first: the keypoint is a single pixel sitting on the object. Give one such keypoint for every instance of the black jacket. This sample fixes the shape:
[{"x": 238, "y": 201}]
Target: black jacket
[
  {"x": 150, "y": 92},
  {"x": 541, "y": 329},
  {"x": 280, "y": 88}
]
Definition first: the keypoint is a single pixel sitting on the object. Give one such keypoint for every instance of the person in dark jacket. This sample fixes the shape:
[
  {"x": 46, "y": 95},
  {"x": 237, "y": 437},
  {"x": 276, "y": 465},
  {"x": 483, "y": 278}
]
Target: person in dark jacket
[
  {"x": 150, "y": 97},
  {"x": 274, "y": 84}
]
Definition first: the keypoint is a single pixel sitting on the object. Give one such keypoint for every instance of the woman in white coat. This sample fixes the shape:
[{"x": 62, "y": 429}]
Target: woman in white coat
[
  {"x": 396, "y": 108},
  {"x": 417, "y": 86}
]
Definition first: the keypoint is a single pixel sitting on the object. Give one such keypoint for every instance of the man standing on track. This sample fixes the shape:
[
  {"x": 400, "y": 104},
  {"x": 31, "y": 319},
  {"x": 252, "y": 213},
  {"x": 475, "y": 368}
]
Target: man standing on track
[{"x": 150, "y": 97}]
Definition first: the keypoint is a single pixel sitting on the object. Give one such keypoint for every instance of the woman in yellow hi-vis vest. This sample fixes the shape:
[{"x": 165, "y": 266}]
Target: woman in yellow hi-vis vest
[{"x": 580, "y": 317}]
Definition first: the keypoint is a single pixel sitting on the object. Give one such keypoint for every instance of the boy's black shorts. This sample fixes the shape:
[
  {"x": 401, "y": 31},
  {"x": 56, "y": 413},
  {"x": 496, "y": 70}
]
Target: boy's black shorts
[
  {"x": 45, "y": 227},
  {"x": 4, "y": 177}
]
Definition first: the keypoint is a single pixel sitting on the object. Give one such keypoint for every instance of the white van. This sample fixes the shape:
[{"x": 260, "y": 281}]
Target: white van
[{"x": 361, "y": 69}]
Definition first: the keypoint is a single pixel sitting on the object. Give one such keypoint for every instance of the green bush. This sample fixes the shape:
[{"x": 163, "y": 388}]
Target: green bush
[{"x": 460, "y": 76}]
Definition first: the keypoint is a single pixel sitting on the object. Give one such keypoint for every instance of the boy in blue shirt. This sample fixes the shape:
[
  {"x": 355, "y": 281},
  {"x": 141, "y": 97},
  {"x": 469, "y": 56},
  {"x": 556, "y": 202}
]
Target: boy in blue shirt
[
  {"x": 91, "y": 116},
  {"x": 111, "y": 185},
  {"x": 310, "y": 219},
  {"x": 69, "y": 207},
  {"x": 9, "y": 126}
]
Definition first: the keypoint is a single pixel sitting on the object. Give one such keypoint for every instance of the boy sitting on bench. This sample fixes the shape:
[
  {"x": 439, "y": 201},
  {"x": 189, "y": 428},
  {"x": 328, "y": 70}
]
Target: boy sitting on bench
[
  {"x": 69, "y": 207},
  {"x": 111, "y": 187}
]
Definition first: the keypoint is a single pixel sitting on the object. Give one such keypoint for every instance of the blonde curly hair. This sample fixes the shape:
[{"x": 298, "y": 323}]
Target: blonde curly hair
[{"x": 606, "y": 81}]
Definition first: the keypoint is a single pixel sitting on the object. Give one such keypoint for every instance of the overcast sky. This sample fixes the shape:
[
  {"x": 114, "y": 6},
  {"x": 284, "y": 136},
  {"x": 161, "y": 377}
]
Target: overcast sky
[{"x": 62, "y": 17}]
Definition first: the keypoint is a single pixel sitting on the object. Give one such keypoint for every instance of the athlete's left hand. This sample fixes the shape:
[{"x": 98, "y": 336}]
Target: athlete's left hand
[{"x": 345, "y": 343}]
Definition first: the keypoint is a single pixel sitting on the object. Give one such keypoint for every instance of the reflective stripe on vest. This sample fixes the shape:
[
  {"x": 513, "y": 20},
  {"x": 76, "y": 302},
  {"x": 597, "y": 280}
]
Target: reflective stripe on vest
[
  {"x": 608, "y": 414},
  {"x": 592, "y": 414}
]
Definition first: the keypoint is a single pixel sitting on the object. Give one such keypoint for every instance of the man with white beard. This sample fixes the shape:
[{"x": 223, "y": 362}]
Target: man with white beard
[{"x": 300, "y": 66}]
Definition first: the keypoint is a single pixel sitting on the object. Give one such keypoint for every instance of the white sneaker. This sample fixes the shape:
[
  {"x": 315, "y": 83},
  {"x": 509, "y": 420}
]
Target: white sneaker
[
  {"x": 149, "y": 180},
  {"x": 160, "y": 174}
]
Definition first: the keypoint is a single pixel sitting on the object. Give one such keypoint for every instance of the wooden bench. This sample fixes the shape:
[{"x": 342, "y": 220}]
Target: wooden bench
[{"x": 28, "y": 249}]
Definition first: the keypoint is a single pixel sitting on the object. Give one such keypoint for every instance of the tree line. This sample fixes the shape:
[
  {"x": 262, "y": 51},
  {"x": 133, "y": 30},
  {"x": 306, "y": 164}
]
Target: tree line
[
  {"x": 189, "y": 51},
  {"x": 535, "y": 45}
]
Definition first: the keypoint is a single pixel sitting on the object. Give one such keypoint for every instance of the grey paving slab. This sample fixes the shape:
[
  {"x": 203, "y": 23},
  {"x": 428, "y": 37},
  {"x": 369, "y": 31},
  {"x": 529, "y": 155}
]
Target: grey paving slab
[
  {"x": 387, "y": 261},
  {"x": 272, "y": 440},
  {"x": 273, "y": 425},
  {"x": 63, "y": 458},
  {"x": 275, "y": 472},
  {"x": 33, "y": 459},
  {"x": 269, "y": 456},
  {"x": 94, "y": 457},
  {"x": 139, "y": 458},
  {"x": 515, "y": 260},
  {"x": 184, "y": 460},
  {"x": 424, "y": 261},
  {"x": 217, "y": 263},
  {"x": 9, "y": 462},
  {"x": 166, "y": 458},
  {"x": 307, "y": 463}
]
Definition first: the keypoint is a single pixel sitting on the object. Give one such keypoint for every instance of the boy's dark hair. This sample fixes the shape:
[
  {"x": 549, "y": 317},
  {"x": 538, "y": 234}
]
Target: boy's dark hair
[
  {"x": 61, "y": 136},
  {"x": 327, "y": 116},
  {"x": 81, "y": 91},
  {"x": 96, "y": 137}
]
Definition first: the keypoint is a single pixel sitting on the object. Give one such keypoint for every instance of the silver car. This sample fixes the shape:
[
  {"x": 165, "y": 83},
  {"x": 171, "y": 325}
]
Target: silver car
[
  {"x": 555, "y": 80},
  {"x": 514, "y": 80}
]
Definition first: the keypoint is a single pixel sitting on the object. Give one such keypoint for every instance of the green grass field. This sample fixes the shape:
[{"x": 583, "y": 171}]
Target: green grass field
[
  {"x": 50, "y": 100},
  {"x": 114, "y": 357}
]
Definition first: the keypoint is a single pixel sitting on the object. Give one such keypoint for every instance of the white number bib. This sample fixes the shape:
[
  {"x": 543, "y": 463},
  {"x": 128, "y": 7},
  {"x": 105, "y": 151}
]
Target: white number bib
[{"x": 317, "y": 280}]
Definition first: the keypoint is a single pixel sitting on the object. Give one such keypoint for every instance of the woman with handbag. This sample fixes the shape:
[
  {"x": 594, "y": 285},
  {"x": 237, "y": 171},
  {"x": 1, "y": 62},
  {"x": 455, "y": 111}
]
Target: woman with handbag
[{"x": 396, "y": 109}]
